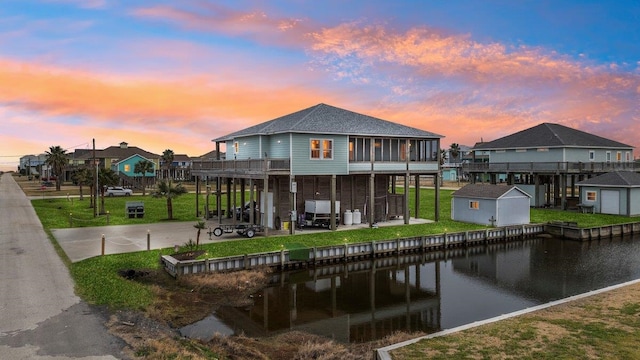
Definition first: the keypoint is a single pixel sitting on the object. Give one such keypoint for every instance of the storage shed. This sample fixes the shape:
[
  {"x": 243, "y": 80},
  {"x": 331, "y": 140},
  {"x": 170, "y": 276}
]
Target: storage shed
[
  {"x": 494, "y": 205},
  {"x": 616, "y": 192}
]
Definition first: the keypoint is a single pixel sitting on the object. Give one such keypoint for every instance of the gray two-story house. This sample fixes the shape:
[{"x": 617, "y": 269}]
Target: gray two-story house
[
  {"x": 323, "y": 153},
  {"x": 547, "y": 160}
]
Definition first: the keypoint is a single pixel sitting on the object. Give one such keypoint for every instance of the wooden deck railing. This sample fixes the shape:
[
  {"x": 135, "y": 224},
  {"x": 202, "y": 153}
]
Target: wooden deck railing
[
  {"x": 563, "y": 167},
  {"x": 242, "y": 165}
]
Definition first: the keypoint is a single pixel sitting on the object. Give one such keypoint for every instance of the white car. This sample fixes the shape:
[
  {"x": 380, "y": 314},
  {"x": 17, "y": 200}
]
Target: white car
[{"x": 118, "y": 191}]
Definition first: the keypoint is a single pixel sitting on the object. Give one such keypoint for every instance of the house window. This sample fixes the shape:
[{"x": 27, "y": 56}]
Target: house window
[
  {"x": 592, "y": 155},
  {"x": 352, "y": 149},
  {"x": 543, "y": 149},
  {"x": 608, "y": 156},
  {"x": 627, "y": 156},
  {"x": 127, "y": 168},
  {"x": 473, "y": 204},
  {"x": 618, "y": 156},
  {"x": 236, "y": 147},
  {"x": 327, "y": 149},
  {"x": 321, "y": 149},
  {"x": 591, "y": 196}
]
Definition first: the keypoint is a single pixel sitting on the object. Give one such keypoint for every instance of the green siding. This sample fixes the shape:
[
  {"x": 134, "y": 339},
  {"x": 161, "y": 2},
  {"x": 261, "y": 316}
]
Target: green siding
[
  {"x": 278, "y": 146},
  {"x": 302, "y": 164}
]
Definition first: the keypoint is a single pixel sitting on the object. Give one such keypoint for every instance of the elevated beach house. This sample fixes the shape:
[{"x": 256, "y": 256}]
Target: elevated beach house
[
  {"x": 321, "y": 153},
  {"x": 548, "y": 159}
]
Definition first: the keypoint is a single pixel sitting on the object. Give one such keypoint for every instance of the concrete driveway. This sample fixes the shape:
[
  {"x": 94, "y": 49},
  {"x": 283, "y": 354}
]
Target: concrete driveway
[{"x": 41, "y": 317}]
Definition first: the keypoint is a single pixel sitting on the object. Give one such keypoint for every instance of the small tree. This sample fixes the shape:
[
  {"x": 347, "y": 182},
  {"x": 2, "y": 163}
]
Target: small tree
[
  {"x": 143, "y": 167},
  {"x": 57, "y": 159},
  {"x": 454, "y": 150},
  {"x": 199, "y": 225},
  {"x": 166, "y": 189},
  {"x": 106, "y": 177},
  {"x": 82, "y": 177},
  {"x": 167, "y": 160}
]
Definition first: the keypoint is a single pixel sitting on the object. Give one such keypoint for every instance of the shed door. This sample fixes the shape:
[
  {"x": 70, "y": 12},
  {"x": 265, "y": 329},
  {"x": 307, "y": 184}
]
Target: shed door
[{"x": 610, "y": 202}]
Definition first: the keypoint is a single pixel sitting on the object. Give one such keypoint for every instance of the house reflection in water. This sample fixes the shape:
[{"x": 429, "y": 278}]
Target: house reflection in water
[
  {"x": 368, "y": 300},
  {"x": 354, "y": 302}
]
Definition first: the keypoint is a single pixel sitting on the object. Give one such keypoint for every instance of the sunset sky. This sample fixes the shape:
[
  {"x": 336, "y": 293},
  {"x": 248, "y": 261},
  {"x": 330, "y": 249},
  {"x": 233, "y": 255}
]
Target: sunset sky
[{"x": 176, "y": 74}]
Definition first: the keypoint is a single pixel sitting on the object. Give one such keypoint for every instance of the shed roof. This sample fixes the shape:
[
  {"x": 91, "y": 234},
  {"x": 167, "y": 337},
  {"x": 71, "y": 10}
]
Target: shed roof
[
  {"x": 486, "y": 191},
  {"x": 619, "y": 178},
  {"x": 550, "y": 135},
  {"x": 326, "y": 119}
]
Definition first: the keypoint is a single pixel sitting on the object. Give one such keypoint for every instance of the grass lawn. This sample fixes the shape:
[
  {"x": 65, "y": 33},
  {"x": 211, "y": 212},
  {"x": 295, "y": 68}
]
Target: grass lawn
[{"x": 97, "y": 280}]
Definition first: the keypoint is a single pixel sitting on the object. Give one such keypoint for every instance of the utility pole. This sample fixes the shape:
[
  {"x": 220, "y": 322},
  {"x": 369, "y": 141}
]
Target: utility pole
[{"x": 95, "y": 201}]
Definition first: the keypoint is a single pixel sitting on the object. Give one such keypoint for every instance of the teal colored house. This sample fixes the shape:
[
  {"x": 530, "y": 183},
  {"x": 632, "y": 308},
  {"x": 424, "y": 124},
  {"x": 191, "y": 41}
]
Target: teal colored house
[
  {"x": 324, "y": 153},
  {"x": 127, "y": 166}
]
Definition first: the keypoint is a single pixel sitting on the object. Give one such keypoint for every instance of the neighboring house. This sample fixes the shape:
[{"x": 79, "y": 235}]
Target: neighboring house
[
  {"x": 324, "y": 153},
  {"x": 180, "y": 168},
  {"x": 552, "y": 155},
  {"x": 34, "y": 165},
  {"x": 494, "y": 205},
  {"x": 452, "y": 165},
  {"x": 127, "y": 166},
  {"x": 122, "y": 159},
  {"x": 616, "y": 192}
]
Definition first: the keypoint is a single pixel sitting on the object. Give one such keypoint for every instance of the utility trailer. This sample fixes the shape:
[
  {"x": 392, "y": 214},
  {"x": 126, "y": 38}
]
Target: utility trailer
[
  {"x": 241, "y": 229},
  {"x": 318, "y": 213}
]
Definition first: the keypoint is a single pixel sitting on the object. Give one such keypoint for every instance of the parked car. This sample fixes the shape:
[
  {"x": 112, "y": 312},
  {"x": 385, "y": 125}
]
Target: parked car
[
  {"x": 244, "y": 212},
  {"x": 118, "y": 191}
]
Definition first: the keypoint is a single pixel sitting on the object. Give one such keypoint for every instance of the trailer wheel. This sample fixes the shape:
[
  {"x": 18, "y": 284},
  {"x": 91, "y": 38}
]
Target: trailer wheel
[
  {"x": 250, "y": 233},
  {"x": 217, "y": 231}
]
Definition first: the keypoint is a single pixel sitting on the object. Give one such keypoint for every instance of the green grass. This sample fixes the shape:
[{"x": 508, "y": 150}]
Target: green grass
[{"x": 97, "y": 280}]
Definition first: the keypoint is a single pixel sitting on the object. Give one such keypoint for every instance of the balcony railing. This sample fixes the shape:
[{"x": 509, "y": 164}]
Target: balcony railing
[
  {"x": 249, "y": 165},
  {"x": 565, "y": 167}
]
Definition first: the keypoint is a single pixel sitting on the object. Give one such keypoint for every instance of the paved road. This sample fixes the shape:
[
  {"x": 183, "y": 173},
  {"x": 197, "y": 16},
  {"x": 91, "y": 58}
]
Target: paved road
[{"x": 40, "y": 316}]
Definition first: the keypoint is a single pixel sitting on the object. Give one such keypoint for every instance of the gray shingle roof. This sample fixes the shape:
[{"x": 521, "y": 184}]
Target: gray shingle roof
[
  {"x": 550, "y": 135},
  {"x": 119, "y": 153},
  {"x": 614, "y": 179},
  {"x": 484, "y": 191},
  {"x": 326, "y": 119}
]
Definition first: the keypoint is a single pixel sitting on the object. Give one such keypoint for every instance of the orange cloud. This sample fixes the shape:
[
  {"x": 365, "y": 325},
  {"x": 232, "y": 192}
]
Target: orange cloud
[
  {"x": 108, "y": 99},
  {"x": 210, "y": 17}
]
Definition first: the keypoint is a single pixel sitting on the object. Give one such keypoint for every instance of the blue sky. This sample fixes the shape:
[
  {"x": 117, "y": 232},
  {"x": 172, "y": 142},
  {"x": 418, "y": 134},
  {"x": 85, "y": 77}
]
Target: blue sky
[{"x": 176, "y": 74}]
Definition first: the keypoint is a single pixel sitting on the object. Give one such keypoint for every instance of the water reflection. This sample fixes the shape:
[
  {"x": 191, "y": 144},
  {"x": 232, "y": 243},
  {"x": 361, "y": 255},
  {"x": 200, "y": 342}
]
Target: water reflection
[{"x": 368, "y": 300}]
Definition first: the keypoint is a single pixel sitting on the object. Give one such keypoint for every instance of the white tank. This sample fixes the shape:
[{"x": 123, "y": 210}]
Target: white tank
[
  {"x": 357, "y": 217},
  {"x": 348, "y": 217}
]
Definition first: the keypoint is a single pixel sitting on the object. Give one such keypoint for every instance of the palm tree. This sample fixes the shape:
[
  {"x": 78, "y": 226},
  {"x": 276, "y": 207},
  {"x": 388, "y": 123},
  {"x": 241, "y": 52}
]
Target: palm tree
[
  {"x": 199, "y": 225},
  {"x": 106, "y": 177},
  {"x": 454, "y": 150},
  {"x": 167, "y": 160},
  {"x": 443, "y": 156},
  {"x": 143, "y": 167},
  {"x": 166, "y": 189},
  {"x": 82, "y": 176},
  {"x": 57, "y": 159}
]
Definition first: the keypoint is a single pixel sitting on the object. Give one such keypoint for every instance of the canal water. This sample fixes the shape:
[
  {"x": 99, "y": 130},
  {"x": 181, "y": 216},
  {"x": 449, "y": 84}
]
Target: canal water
[{"x": 368, "y": 300}]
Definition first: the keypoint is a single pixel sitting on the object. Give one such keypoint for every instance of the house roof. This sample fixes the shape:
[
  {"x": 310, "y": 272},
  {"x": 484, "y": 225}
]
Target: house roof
[
  {"x": 486, "y": 191},
  {"x": 326, "y": 119},
  {"x": 117, "y": 152},
  {"x": 619, "y": 178},
  {"x": 550, "y": 135},
  {"x": 211, "y": 155}
]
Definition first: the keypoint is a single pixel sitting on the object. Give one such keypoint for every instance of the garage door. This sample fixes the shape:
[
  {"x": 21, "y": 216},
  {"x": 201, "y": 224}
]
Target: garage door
[{"x": 610, "y": 202}]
